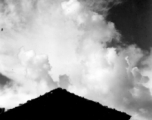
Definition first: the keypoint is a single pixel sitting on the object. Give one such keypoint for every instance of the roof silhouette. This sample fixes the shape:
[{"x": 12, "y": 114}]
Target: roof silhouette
[{"x": 60, "y": 104}]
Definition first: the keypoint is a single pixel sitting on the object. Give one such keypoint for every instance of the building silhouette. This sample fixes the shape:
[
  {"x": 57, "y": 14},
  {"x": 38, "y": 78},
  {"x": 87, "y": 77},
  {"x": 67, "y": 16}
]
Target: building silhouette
[{"x": 59, "y": 104}]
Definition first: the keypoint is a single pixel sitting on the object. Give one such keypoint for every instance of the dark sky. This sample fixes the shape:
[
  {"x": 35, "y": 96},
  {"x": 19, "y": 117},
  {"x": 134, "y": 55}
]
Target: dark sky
[
  {"x": 3, "y": 80},
  {"x": 133, "y": 19}
]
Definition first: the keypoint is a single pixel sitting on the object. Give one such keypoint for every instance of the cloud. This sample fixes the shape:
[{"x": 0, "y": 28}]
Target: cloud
[
  {"x": 29, "y": 78},
  {"x": 47, "y": 44},
  {"x": 100, "y": 6}
]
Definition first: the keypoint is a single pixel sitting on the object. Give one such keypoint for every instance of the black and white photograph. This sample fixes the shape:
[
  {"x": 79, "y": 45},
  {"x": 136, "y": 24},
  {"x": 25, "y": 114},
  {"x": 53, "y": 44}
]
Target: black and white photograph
[{"x": 76, "y": 59}]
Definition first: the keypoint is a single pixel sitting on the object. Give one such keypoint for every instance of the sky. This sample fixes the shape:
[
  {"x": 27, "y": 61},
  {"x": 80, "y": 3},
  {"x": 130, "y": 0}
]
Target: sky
[
  {"x": 133, "y": 20},
  {"x": 97, "y": 49}
]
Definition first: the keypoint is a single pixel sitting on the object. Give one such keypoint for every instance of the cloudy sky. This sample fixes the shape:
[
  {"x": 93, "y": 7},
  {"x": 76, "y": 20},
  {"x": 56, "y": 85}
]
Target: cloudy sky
[{"x": 98, "y": 49}]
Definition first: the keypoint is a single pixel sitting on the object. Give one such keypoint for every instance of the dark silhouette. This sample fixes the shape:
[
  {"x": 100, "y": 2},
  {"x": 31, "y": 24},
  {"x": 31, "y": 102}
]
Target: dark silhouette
[
  {"x": 62, "y": 105},
  {"x": 2, "y": 110}
]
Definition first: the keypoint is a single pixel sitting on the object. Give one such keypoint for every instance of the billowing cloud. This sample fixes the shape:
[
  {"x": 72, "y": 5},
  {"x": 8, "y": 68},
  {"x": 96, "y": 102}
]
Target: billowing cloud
[{"x": 46, "y": 44}]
